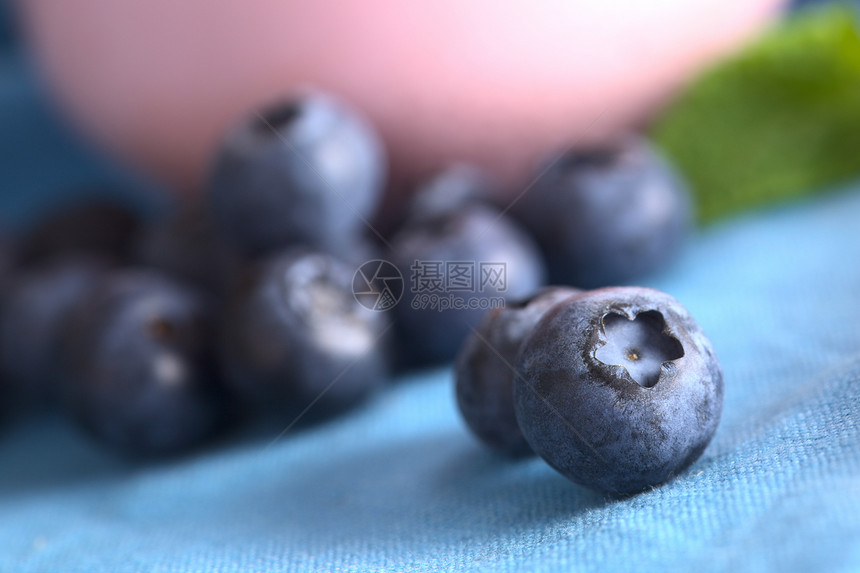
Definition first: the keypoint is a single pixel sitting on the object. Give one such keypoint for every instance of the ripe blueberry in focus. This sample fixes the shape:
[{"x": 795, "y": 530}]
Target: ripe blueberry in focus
[
  {"x": 294, "y": 336},
  {"x": 303, "y": 173},
  {"x": 140, "y": 370},
  {"x": 605, "y": 216},
  {"x": 485, "y": 370},
  {"x": 618, "y": 389},
  {"x": 34, "y": 307},
  {"x": 437, "y": 255}
]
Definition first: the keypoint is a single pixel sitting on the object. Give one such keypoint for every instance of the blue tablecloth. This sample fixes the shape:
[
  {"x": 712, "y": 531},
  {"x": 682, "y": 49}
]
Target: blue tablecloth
[{"x": 401, "y": 486}]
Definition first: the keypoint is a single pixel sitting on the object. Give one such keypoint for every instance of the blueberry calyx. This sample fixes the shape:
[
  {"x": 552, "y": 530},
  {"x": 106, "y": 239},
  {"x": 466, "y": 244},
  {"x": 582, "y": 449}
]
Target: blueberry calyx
[
  {"x": 307, "y": 171},
  {"x": 638, "y": 344},
  {"x": 278, "y": 118}
]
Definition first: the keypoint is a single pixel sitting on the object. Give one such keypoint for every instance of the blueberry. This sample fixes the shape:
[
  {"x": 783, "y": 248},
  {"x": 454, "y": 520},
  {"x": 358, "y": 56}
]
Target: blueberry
[
  {"x": 184, "y": 244},
  {"x": 455, "y": 187},
  {"x": 35, "y": 305},
  {"x": 606, "y": 216},
  {"x": 297, "y": 343},
  {"x": 307, "y": 172},
  {"x": 140, "y": 368},
  {"x": 94, "y": 227},
  {"x": 485, "y": 370},
  {"x": 618, "y": 389},
  {"x": 444, "y": 260}
]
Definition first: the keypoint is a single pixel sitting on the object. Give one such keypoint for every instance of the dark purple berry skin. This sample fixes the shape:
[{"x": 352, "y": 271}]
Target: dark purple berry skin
[
  {"x": 453, "y": 188},
  {"x": 486, "y": 365},
  {"x": 185, "y": 245},
  {"x": 140, "y": 368},
  {"x": 618, "y": 389},
  {"x": 473, "y": 234},
  {"x": 295, "y": 338},
  {"x": 35, "y": 305},
  {"x": 306, "y": 172},
  {"x": 94, "y": 228},
  {"x": 606, "y": 216}
]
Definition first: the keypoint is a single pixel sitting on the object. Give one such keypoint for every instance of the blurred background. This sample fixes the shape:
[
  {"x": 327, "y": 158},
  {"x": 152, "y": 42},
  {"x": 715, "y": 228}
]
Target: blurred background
[{"x": 158, "y": 92}]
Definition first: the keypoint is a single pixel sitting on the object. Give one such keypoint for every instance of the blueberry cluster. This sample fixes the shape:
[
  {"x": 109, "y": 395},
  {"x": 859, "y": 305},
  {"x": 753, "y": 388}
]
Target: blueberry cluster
[
  {"x": 156, "y": 335},
  {"x": 617, "y": 388}
]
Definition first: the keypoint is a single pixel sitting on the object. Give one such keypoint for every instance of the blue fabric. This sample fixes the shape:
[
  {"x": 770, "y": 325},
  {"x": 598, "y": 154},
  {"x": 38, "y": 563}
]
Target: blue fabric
[{"x": 401, "y": 486}]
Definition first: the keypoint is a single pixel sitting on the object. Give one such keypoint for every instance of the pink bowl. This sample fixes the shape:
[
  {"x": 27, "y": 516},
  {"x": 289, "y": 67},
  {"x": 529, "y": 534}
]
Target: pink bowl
[{"x": 493, "y": 82}]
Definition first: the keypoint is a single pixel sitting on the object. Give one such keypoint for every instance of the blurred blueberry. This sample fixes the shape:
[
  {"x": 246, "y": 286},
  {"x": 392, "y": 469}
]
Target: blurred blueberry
[
  {"x": 184, "y": 244},
  {"x": 485, "y": 370},
  {"x": 618, "y": 389},
  {"x": 306, "y": 172},
  {"x": 140, "y": 370},
  {"x": 34, "y": 307},
  {"x": 606, "y": 216},
  {"x": 452, "y": 188},
  {"x": 297, "y": 343},
  {"x": 456, "y": 264},
  {"x": 93, "y": 227}
]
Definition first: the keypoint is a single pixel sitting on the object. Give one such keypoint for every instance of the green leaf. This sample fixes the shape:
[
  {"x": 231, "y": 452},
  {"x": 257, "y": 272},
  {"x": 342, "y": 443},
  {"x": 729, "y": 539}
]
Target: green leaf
[{"x": 779, "y": 120}]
